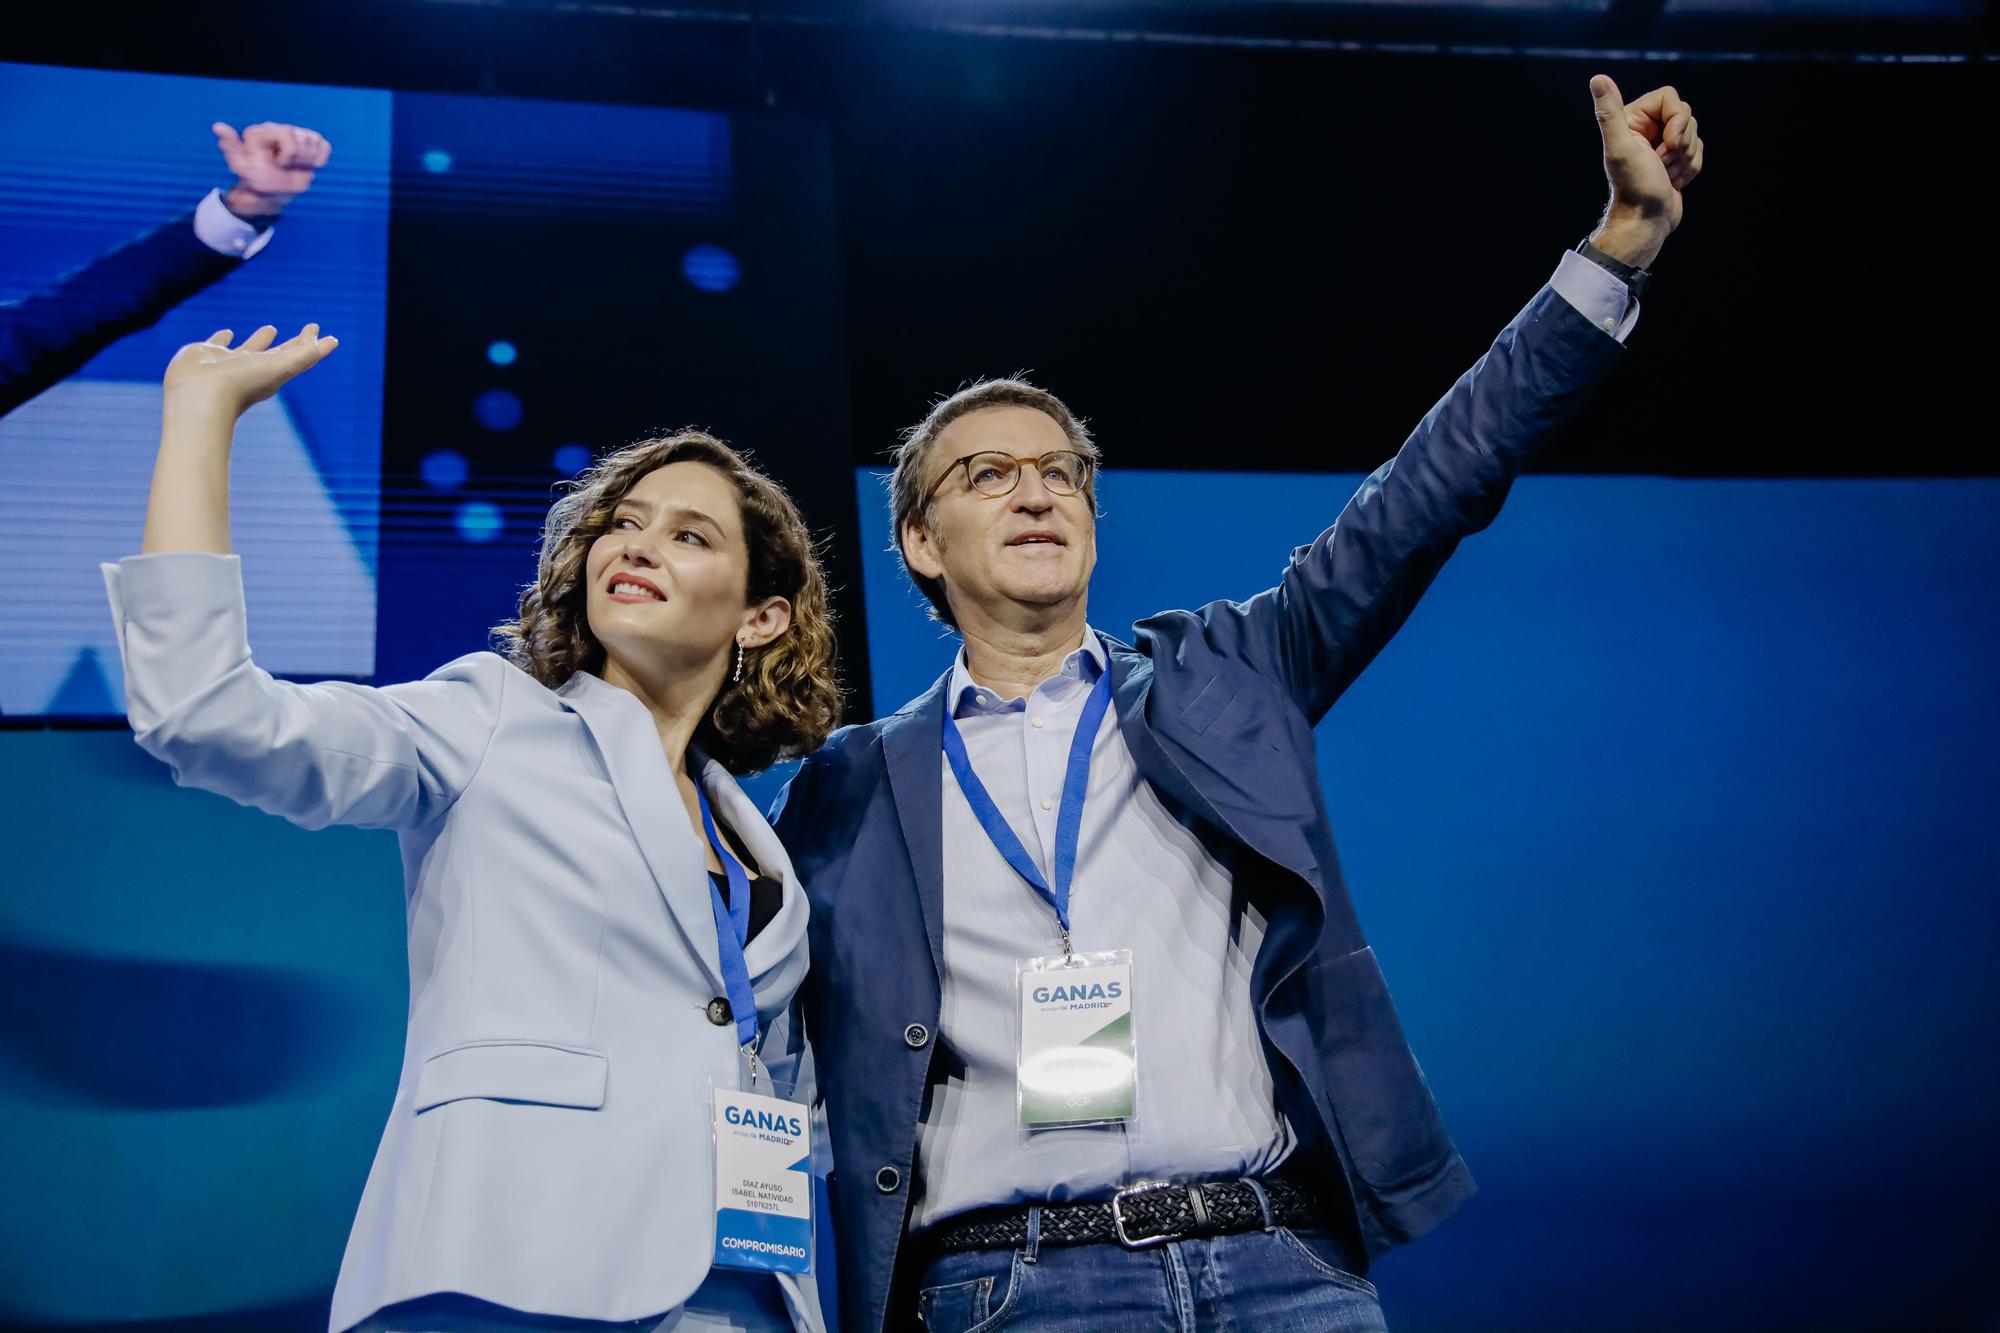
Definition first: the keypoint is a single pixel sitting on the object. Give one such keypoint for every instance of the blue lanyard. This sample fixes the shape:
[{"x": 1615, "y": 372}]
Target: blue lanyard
[
  {"x": 732, "y": 929},
  {"x": 1069, "y": 820}
]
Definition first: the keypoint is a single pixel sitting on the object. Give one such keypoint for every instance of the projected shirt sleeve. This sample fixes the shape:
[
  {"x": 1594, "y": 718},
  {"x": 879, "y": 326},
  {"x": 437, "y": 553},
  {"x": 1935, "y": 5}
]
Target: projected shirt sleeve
[
  {"x": 225, "y": 233},
  {"x": 328, "y": 753}
]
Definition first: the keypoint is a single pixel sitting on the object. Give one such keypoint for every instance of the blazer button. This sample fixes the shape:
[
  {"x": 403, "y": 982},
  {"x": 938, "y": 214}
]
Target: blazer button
[
  {"x": 718, "y": 1012},
  {"x": 887, "y": 1179},
  {"x": 915, "y": 1035}
]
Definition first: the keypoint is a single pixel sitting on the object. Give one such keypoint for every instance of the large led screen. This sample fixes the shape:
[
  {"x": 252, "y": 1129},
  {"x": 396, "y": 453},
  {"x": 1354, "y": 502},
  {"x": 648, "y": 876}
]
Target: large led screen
[{"x": 518, "y": 286}]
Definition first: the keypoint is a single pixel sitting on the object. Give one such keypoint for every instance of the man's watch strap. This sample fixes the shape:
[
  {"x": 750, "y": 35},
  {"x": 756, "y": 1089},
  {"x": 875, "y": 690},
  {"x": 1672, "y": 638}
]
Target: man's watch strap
[
  {"x": 261, "y": 223},
  {"x": 1634, "y": 278}
]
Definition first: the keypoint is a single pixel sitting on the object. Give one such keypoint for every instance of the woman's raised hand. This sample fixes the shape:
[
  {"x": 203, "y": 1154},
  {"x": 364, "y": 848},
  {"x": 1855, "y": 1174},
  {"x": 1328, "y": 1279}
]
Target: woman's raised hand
[
  {"x": 215, "y": 375},
  {"x": 209, "y": 385}
]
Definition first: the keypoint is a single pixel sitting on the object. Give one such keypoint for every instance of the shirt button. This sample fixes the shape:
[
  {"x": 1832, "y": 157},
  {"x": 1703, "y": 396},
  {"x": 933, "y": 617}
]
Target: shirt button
[
  {"x": 915, "y": 1035},
  {"x": 718, "y": 1012},
  {"x": 1036, "y": 724},
  {"x": 1047, "y": 804},
  {"x": 887, "y": 1179},
  {"x": 1610, "y": 324}
]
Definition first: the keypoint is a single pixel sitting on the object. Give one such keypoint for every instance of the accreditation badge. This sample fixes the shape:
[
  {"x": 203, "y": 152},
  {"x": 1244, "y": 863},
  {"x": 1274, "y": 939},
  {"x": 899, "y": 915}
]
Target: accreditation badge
[
  {"x": 763, "y": 1182},
  {"x": 1078, "y": 1063}
]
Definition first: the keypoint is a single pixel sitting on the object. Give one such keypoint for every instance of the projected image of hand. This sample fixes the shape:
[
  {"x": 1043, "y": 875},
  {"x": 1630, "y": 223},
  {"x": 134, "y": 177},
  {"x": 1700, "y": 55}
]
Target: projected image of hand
[
  {"x": 215, "y": 376},
  {"x": 274, "y": 164}
]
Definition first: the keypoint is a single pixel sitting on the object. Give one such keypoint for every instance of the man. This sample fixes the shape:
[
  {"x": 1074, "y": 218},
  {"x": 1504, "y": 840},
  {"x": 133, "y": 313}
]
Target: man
[
  {"x": 50, "y": 334},
  {"x": 1137, "y": 843}
]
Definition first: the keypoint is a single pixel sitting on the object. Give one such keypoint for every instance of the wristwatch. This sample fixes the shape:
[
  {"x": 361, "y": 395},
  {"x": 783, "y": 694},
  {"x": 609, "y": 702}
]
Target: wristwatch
[
  {"x": 263, "y": 222},
  {"x": 1634, "y": 278}
]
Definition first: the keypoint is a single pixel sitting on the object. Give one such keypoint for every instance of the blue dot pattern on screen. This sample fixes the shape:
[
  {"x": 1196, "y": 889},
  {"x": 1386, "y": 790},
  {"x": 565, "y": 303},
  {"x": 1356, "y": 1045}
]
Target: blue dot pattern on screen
[
  {"x": 445, "y": 470},
  {"x": 497, "y": 410},
  {"x": 479, "y": 521},
  {"x": 572, "y": 459},
  {"x": 437, "y": 160},
  {"x": 711, "y": 268},
  {"x": 501, "y": 353}
]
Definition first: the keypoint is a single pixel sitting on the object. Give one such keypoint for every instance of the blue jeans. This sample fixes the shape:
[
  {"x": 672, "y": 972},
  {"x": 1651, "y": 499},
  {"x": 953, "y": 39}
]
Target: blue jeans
[{"x": 1276, "y": 1281}]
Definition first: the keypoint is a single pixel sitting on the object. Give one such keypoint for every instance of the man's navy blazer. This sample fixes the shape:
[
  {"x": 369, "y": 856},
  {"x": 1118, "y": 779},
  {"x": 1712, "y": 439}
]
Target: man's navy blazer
[
  {"x": 1218, "y": 707},
  {"x": 48, "y": 335}
]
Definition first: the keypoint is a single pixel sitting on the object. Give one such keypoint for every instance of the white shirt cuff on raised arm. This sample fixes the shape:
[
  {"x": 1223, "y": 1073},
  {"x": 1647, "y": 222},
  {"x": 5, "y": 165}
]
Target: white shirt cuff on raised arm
[
  {"x": 1596, "y": 294},
  {"x": 225, "y": 233}
]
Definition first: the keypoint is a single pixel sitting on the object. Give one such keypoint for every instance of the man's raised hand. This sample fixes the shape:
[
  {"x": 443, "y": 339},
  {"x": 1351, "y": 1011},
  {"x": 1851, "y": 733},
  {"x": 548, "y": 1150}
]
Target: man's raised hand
[
  {"x": 273, "y": 164},
  {"x": 1652, "y": 152}
]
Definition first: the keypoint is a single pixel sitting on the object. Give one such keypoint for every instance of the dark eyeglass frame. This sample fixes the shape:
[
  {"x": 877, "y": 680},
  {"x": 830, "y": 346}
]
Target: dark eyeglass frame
[{"x": 1084, "y": 469}]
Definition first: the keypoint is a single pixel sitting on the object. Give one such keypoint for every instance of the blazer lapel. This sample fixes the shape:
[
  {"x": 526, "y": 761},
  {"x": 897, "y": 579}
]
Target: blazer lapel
[
  {"x": 648, "y": 796},
  {"x": 912, "y": 746}
]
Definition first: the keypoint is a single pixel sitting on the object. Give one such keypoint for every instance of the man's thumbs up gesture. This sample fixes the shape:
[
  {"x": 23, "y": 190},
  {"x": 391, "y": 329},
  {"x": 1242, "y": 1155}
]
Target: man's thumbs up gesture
[
  {"x": 1651, "y": 153},
  {"x": 274, "y": 164}
]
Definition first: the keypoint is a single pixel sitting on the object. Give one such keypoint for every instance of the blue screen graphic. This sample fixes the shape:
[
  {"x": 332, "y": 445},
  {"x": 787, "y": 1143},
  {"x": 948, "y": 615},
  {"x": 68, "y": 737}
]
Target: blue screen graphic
[
  {"x": 89, "y": 161},
  {"x": 520, "y": 194}
]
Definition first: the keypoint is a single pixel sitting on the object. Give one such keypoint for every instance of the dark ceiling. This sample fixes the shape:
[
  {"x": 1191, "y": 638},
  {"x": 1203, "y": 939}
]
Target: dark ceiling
[
  {"x": 1204, "y": 218},
  {"x": 1811, "y": 29}
]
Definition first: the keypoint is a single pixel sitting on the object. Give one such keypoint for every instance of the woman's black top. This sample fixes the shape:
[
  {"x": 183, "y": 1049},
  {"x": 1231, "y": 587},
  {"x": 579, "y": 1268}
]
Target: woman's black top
[{"x": 765, "y": 894}]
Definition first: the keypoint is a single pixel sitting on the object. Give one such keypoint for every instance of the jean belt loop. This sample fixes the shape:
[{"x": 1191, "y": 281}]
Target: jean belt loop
[
  {"x": 1263, "y": 1202},
  {"x": 1034, "y": 1246}
]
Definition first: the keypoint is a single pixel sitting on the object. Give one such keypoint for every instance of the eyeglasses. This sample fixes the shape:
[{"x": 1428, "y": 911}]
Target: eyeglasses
[{"x": 994, "y": 474}]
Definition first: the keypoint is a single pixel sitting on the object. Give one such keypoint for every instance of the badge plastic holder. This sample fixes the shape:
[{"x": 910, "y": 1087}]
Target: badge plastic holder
[
  {"x": 760, "y": 1155},
  {"x": 1076, "y": 1057}
]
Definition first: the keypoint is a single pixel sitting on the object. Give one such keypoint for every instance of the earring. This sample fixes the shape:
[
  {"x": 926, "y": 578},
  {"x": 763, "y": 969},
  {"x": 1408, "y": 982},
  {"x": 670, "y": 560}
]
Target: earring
[{"x": 739, "y": 663}]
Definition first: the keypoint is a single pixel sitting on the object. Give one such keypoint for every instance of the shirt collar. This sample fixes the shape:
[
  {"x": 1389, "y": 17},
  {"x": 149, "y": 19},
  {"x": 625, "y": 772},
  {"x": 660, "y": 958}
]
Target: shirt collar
[{"x": 969, "y": 698}]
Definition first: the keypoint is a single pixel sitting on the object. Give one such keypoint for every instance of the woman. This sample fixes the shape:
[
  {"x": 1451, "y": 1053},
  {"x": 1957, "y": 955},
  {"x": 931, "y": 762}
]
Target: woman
[{"x": 548, "y": 1161}]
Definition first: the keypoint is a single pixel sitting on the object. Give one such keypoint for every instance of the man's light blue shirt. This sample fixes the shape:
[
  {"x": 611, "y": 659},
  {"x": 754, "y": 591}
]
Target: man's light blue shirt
[{"x": 1149, "y": 879}]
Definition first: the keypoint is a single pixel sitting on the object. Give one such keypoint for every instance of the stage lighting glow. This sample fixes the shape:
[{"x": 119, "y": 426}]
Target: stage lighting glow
[
  {"x": 501, "y": 353},
  {"x": 571, "y": 459},
  {"x": 711, "y": 268},
  {"x": 479, "y": 520},
  {"x": 445, "y": 470},
  {"x": 437, "y": 160},
  {"x": 497, "y": 410}
]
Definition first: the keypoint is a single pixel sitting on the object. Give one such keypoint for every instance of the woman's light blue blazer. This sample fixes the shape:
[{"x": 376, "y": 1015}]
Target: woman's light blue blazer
[{"x": 549, "y": 1146}]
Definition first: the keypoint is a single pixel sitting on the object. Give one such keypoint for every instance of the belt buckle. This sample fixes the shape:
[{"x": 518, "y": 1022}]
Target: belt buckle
[{"x": 1118, "y": 1215}]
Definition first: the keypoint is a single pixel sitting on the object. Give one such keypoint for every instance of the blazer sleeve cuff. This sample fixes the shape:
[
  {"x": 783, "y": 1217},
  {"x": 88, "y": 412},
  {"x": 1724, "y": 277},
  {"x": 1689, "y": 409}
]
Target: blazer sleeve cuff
[{"x": 180, "y": 626}]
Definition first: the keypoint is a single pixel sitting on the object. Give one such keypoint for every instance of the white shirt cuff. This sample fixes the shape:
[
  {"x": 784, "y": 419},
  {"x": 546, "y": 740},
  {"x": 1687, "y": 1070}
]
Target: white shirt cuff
[
  {"x": 225, "y": 233},
  {"x": 1596, "y": 294}
]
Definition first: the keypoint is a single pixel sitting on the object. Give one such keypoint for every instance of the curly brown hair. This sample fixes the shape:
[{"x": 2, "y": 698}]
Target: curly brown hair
[
  {"x": 789, "y": 697},
  {"x": 909, "y": 485}
]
